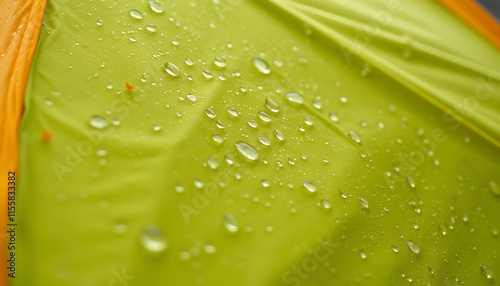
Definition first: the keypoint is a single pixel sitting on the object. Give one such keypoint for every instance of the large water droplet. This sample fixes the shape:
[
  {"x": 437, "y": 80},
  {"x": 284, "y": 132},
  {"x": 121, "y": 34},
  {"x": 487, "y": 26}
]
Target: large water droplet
[
  {"x": 218, "y": 138},
  {"x": 413, "y": 246},
  {"x": 264, "y": 116},
  {"x": 136, "y": 14},
  {"x": 487, "y": 272},
  {"x": 272, "y": 105},
  {"x": 309, "y": 186},
  {"x": 172, "y": 69},
  {"x": 155, "y": 7},
  {"x": 246, "y": 151},
  {"x": 98, "y": 122},
  {"x": 210, "y": 112},
  {"x": 207, "y": 74},
  {"x": 494, "y": 188},
  {"x": 233, "y": 112},
  {"x": 153, "y": 240},
  {"x": 219, "y": 62},
  {"x": 230, "y": 223},
  {"x": 151, "y": 28},
  {"x": 294, "y": 97},
  {"x": 279, "y": 135},
  {"x": 264, "y": 141},
  {"x": 261, "y": 65},
  {"x": 354, "y": 136},
  {"x": 363, "y": 203}
]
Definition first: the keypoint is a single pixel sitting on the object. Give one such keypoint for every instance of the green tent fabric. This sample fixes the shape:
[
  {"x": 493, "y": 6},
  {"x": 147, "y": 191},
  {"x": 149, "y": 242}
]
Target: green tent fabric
[{"x": 233, "y": 142}]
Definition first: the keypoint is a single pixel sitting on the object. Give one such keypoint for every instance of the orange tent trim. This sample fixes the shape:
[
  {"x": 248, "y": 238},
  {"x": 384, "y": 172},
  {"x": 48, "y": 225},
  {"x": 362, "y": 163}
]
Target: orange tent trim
[{"x": 477, "y": 17}]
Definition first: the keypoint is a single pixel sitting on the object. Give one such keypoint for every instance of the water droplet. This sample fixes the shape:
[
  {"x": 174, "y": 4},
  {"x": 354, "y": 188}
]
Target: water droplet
[
  {"x": 272, "y": 105},
  {"x": 151, "y": 28},
  {"x": 354, "y": 136},
  {"x": 101, "y": 151},
  {"x": 153, "y": 240},
  {"x": 264, "y": 141},
  {"x": 198, "y": 183},
  {"x": 430, "y": 270},
  {"x": 279, "y": 135},
  {"x": 294, "y": 97},
  {"x": 261, "y": 65},
  {"x": 395, "y": 248},
  {"x": 155, "y": 7},
  {"x": 487, "y": 271},
  {"x": 207, "y": 74},
  {"x": 333, "y": 117},
  {"x": 172, "y": 69},
  {"x": 120, "y": 228},
  {"x": 411, "y": 182},
  {"x": 230, "y": 223},
  {"x": 363, "y": 203},
  {"x": 246, "y": 151},
  {"x": 156, "y": 126},
  {"x": 179, "y": 188},
  {"x": 98, "y": 122},
  {"x": 317, "y": 104},
  {"x": 413, "y": 246},
  {"x": 99, "y": 22},
  {"x": 109, "y": 86},
  {"x": 233, "y": 112},
  {"x": 212, "y": 163},
  {"x": 265, "y": 183},
  {"x": 309, "y": 186},
  {"x": 343, "y": 99},
  {"x": 264, "y": 116},
  {"x": 308, "y": 120},
  {"x": 252, "y": 123},
  {"x": 189, "y": 62},
  {"x": 210, "y": 112},
  {"x": 48, "y": 102},
  {"x": 269, "y": 228},
  {"x": 218, "y": 138},
  {"x": 136, "y": 14},
  {"x": 209, "y": 249},
  {"x": 191, "y": 97},
  {"x": 494, "y": 230},
  {"x": 133, "y": 39},
  {"x": 220, "y": 62},
  {"x": 494, "y": 189},
  {"x": 362, "y": 254},
  {"x": 442, "y": 229},
  {"x": 325, "y": 204}
]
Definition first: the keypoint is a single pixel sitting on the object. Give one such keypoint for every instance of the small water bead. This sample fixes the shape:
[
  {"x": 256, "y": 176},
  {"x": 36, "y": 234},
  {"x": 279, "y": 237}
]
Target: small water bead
[
  {"x": 411, "y": 182},
  {"x": 494, "y": 230},
  {"x": 230, "y": 223},
  {"x": 219, "y": 62},
  {"x": 172, "y": 69},
  {"x": 133, "y": 39},
  {"x": 179, "y": 188},
  {"x": 252, "y": 123},
  {"x": 151, "y": 28},
  {"x": 343, "y": 99},
  {"x": 394, "y": 248},
  {"x": 363, "y": 203},
  {"x": 264, "y": 141},
  {"x": 191, "y": 97},
  {"x": 120, "y": 228},
  {"x": 294, "y": 97},
  {"x": 279, "y": 135},
  {"x": 317, "y": 104},
  {"x": 109, "y": 86},
  {"x": 362, "y": 254},
  {"x": 189, "y": 62},
  {"x": 98, "y": 122},
  {"x": 153, "y": 240},
  {"x": 157, "y": 126},
  {"x": 333, "y": 117},
  {"x": 198, "y": 183},
  {"x": 210, "y": 112},
  {"x": 48, "y": 102},
  {"x": 207, "y": 74},
  {"x": 487, "y": 272},
  {"x": 136, "y": 14},
  {"x": 269, "y": 228},
  {"x": 264, "y": 116},
  {"x": 265, "y": 183},
  {"x": 442, "y": 229},
  {"x": 261, "y": 65},
  {"x": 213, "y": 163},
  {"x": 325, "y": 204},
  {"x": 155, "y": 7},
  {"x": 308, "y": 120},
  {"x": 99, "y": 22},
  {"x": 218, "y": 138},
  {"x": 246, "y": 150},
  {"x": 494, "y": 188},
  {"x": 101, "y": 151},
  {"x": 413, "y": 246},
  {"x": 272, "y": 105},
  {"x": 309, "y": 186},
  {"x": 354, "y": 136},
  {"x": 209, "y": 249},
  {"x": 222, "y": 77},
  {"x": 431, "y": 271},
  {"x": 219, "y": 124}
]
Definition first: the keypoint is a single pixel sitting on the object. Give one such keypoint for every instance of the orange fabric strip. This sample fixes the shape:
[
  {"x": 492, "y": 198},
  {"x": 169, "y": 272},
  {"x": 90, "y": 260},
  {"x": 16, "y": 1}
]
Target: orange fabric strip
[
  {"x": 477, "y": 17},
  {"x": 20, "y": 24}
]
